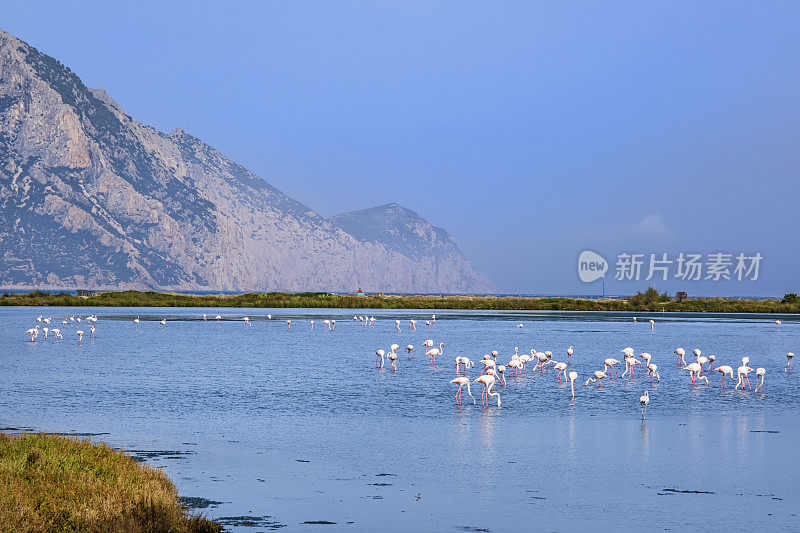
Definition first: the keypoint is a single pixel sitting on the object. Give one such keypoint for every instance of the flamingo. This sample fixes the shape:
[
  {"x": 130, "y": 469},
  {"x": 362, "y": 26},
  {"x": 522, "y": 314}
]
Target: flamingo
[
  {"x": 645, "y": 357},
  {"x": 80, "y": 336},
  {"x": 397, "y": 326},
  {"x": 634, "y": 320},
  {"x": 488, "y": 364},
  {"x": 433, "y": 318},
  {"x": 520, "y": 326},
  {"x": 789, "y": 357},
  {"x": 598, "y": 377},
  {"x": 461, "y": 381},
  {"x": 46, "y": 329},
  {"x": 312, "y": 324},
  {"x": 542, "y": 357},
  {"x": 681, "y": 352},
  {"x": 246, "y": 320},
  {"x": 488, "y": 382},
  {"x": 461, "y": 360},
  {"x": 380, "y": 359},
  {"x": 569, "y": 354},
  {"x": 392, "y": 359},
  {"x": 694, "y": 372},
  {"x": 501, "y": 371},
  {"x": 743, "y": 372},
  {"x": 326, "y": 325},
  {"x": 413, "y": 325},
  {"x": 652, "y": 369},
  {"x": 644, "y": 400},
  {"x": 288, "y": 325},
  {"x": 572, "y": 377},
  {"x": 524, "y": 358},
  {"x": 32, "y": 333},
  {"x": 561, "y": 368},
  {"x": 56, "y": 333},
  {"x": 609, "y": 363},
  {"x": 408, "y": 349},
  {"x": 204, "y": 317},
  {"x": 725, "y": 370},
  {"x": 630, "y": 365},
  {"x": 333, "y": 325},
  {"x": 91, "y": 331},
  {"x": 433, "y": 352},
  {"x": 163, "y": 322},
  {"x": 652, "y": 324},
  {"x": 136, "y": 320},
  {"x": 711, "y": 359},
  {"x": 515, "y": 365},
  {"x": 428, "y": 343},
  {"x": 219, "y": 317},
  {"x": 760, "y": 374}
]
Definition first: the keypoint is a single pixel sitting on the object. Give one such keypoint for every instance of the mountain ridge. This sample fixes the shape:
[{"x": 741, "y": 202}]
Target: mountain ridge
[{"x": 92, "y": 198}]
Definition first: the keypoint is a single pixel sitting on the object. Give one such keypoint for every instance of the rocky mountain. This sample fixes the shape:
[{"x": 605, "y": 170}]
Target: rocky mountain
[{"x": 91, "y": 198}]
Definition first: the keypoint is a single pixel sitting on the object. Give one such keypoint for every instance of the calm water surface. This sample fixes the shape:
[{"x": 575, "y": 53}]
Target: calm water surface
[{"x": 299, "y": 426}]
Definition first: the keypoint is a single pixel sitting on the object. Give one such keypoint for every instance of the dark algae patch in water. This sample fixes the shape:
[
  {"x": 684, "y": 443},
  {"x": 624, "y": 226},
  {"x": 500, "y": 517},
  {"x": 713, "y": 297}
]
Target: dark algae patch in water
[
  {"x": 144, "y": 455},
  {"x": 763, "y": 431},
  {"x": 678, "y": 491},
  {"x": 194, "y": 502},
  {"x": 323, "y": 522},
  {"x": 250, "y": 521}
]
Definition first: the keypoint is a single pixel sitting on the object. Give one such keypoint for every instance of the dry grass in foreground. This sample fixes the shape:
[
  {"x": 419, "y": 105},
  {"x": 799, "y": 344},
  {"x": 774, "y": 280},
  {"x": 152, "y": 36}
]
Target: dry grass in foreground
[{"x": 54, "y": 484}]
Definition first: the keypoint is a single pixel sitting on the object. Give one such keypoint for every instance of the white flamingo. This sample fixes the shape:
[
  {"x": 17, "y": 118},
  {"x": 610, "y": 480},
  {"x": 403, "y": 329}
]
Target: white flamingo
[
  {"x": 644, "y": 399},
  {"x": 572, "y": 377}
]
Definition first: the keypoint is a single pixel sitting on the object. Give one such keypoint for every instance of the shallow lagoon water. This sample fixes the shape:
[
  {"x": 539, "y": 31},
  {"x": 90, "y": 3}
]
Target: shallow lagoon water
[{"x": 299, "y": 426}]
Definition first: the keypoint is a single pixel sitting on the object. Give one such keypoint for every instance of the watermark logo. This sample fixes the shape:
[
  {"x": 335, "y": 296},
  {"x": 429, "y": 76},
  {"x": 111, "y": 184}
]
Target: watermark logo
[
  {"x": 591, "y": 266},
  {"x": 684, "y": 266}
]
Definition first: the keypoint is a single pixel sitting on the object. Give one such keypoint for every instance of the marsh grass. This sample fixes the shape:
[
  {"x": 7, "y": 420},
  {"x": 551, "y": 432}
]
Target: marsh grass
[
  {"x": 637, "y": 303},
  {"x": 51, "y": 483}
]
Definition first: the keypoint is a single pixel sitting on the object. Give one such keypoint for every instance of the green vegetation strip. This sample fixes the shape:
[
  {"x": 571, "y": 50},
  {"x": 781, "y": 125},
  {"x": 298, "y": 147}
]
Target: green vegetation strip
[
  {"x": 649, "y": 301},
  {"x": 57, "y": 484}
]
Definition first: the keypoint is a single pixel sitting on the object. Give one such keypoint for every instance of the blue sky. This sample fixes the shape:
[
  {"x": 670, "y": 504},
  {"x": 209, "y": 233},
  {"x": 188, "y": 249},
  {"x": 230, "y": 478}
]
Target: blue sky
[{"x": 529, "y": 130}]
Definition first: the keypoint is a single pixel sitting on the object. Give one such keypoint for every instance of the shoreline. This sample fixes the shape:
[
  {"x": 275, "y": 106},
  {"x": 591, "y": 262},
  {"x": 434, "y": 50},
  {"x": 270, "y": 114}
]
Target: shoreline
[{"x": 634, "y": 304}]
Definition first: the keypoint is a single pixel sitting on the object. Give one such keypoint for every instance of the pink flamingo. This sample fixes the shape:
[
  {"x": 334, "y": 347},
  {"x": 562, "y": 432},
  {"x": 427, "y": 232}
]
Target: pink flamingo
[
  {"x": 380, "y": 360},
  {"x": 561, "y": 368},
  {"x": 630, "y": 365},
  {"x": 609, "y": 363},
  {"x": 598, "y": 377},
  {"x": 725, "y": 370},
  {"x": 652, "y": 369},
  {"x": 694, "y": 372},
  {"x": 572, "y": 377},
  {"x": 760, "y": 374},
  {"x": 569, "y": 354},
  {"x": 433, "y": 352},
  {"x": 461, "y": 381},
  {"x": 80, "y": 336},
  {"x": 743, "y": 372},
  {"x": 488, "y": 382},
  {"x": 681, "y": 352}
]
